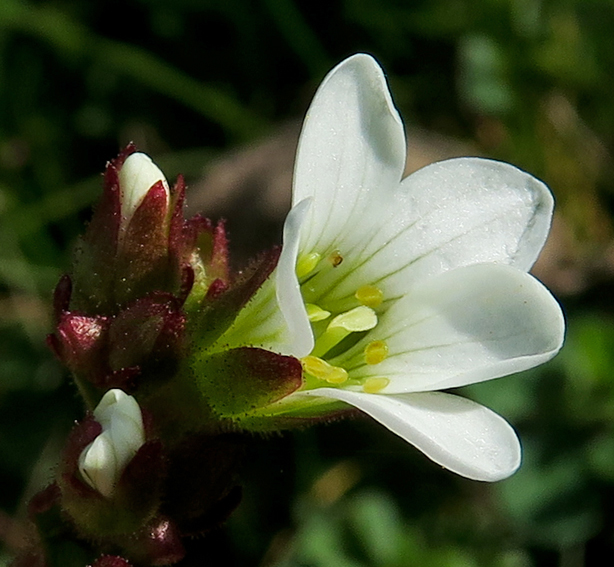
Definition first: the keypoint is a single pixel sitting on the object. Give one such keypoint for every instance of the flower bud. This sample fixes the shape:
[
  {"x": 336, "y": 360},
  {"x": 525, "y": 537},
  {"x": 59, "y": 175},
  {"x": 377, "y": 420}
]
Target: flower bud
[
  {"x": 136, "y": 177},
  {"x": 133, "y": 245},
  {"x": 102, "y": 462}
]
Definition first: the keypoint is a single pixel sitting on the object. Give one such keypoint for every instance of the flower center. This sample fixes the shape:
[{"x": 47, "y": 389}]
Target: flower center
[{"x": 336, "y": 332}]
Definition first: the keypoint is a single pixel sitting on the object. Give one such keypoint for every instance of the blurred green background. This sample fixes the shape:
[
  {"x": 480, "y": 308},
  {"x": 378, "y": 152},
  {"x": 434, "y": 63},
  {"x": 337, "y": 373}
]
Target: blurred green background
[{"x": 215, "y": 89}]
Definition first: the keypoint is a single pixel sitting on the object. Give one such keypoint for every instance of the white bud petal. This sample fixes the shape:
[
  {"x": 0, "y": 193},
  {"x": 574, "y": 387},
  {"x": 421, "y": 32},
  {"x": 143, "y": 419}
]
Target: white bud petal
[
  {"x": 95, "y": 463},
  {"x": 136, "y": 177},
  {"x": 102, "y": 462}
]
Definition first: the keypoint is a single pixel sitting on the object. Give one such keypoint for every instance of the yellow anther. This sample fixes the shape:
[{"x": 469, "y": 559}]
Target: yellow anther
[
  {"x": 358, "y": 319},
  {"x": 337, "y": 375},
  {"x": 376, "y": 352},
  {"x": 316, "y": 367},
  {"x": 369, "y": 295},
  {"x": 335, "y": 258},
  {"x": 316, "y": 313},
  {"x": 355, "y": 320},
  {"x": 375, "y": 385},
  {"x": 323, "y": 370},
  {"x": 307, "y": 263}
]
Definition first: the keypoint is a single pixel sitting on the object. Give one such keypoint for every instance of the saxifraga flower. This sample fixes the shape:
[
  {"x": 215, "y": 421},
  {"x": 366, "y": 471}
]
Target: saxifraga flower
[{"x": 389, "y": 290}]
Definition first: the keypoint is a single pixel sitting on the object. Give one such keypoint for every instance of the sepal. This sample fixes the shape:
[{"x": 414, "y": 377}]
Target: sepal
[
  {"x": 145, "y": 339},
  {"x": 142, "y": 262},
  {"x": 80, "y": 342},
  {"x": 224, "y": 300},
  {"x": 240, "y": 380},
  {"x": 149, "y": 335}
]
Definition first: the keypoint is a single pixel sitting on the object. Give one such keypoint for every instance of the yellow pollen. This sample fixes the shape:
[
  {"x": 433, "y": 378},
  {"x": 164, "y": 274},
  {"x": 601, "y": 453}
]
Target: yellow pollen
[
  {"x": 323, "y": 370},
  {"x": 358, "y": 319},
  {"x": 307, "y": 264},
  {"x": 338, "y": 375},
  {"x": 376, "y": 352},
  {"x": 335, "y": 258},
  {"x": 316, "y": 367},
  {"x": 375, "y": 385},
  {"x": 316, "y": 313},
  {"x": 369, "y": 295}
]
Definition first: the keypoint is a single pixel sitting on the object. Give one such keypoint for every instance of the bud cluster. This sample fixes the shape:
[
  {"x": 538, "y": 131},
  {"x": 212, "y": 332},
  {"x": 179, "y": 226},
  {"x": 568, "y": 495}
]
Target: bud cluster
[{"x": 138, "y": 324}]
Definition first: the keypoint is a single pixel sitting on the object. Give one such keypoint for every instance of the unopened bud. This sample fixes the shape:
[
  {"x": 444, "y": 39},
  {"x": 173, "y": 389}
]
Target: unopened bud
[
  {"x": 137, "y": 176},
  {"x": 102, "y": 462}
]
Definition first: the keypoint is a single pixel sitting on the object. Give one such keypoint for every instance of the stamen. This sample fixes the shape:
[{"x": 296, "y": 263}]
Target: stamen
[
  {"x": 376, "y": 352},
  {"x": 375, "y": 385},
  {"x": 338, "y": 375},
  {"x": 369, "y": 295},
  {"x": 316, "y": 367},
  {"x": 335, "y": 258},
  {"x": 316, "y": 313},
  {"x": 306, "y": 264},
  {"x": 323, "y": 370},
  {"x": 356, "y": 320}
]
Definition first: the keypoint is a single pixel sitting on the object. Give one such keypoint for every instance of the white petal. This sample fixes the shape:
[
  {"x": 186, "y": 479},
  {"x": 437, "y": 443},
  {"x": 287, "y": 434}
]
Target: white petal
[
  {"x": 98, "y": 465},
  {"x": 288, "y": 290},
  {"x": 468, "y": 325},
  {"x": 136, "y": 177},
  {"x": 352, "y": 144},
  {"x": 117, "y": 402},
  {"x": 447, "y": 215},
  {"x": 127, "y": 437},
  {"x": 260, "y": 323},
  {"x": 482, "y": 210},
  {"x": 276, "y": 318},
  {"x": 459, "y": 434},
  {"x": 102, "y": 462}
]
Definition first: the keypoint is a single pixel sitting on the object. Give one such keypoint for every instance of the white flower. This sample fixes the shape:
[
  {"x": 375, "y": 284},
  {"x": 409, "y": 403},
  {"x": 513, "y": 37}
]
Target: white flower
[
  {"x": 103, "y": 461},
  {"x": 392, "y": 289},
  {"x": 137, "y": 176}
]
